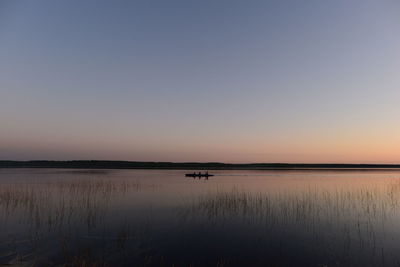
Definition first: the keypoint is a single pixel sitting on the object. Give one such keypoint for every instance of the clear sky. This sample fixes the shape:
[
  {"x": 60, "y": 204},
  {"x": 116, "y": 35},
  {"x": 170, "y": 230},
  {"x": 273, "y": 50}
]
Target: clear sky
[{"x": 217, "y": 80}]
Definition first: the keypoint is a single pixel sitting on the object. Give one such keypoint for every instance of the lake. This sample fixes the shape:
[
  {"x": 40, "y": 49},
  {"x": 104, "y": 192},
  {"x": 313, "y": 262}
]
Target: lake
[{"x": 76, "y": 217}]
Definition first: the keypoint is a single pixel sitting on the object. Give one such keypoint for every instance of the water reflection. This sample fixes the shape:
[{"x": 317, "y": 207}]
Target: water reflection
[{"x": 153, "y": 218}]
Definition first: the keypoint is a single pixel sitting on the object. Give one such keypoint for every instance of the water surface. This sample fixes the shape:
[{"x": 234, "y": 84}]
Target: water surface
[{"x": 236, "y": 218}]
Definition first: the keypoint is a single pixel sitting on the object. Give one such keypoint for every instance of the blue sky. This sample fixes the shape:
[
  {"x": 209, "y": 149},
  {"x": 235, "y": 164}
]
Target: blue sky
[{"x": 234, "y": 81}]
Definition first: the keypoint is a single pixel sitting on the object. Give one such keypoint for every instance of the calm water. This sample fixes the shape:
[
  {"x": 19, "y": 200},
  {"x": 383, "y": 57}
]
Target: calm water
[{"x": 161, "y": 218}]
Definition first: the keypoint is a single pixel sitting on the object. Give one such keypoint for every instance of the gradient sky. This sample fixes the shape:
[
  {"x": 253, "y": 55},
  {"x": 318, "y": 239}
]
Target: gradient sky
[{"x": 230, "y": 81}]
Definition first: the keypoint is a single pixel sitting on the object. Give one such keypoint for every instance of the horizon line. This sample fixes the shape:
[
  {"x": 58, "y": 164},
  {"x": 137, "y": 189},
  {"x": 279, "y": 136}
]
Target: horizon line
[{"x": 121, "y": 164}]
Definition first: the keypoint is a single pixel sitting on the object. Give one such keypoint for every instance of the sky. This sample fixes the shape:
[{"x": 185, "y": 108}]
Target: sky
[{"x": 210, "y": 80}]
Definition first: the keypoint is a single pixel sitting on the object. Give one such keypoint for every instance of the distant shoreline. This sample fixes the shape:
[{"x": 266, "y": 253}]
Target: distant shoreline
[{"x": 105, "y": 164}]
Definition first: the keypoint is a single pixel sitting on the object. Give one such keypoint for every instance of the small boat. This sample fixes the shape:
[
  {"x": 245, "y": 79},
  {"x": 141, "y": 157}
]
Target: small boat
[{"x": 199, "y": 174}]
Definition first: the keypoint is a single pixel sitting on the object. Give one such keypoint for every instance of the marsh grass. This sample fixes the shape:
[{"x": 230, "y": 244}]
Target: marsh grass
[
  {"x": 346, "y": 223},
  {"x": 312, "y": 204},
  {"x": 54, "y": 209},
  {"x": 56, "y": 203}
]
